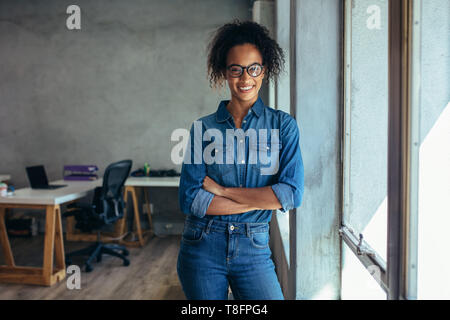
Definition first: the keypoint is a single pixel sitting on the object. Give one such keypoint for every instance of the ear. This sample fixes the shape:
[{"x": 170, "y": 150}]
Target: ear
[
  {"x": 224, "y": 74},
  {"x": 263, "y": 73}
]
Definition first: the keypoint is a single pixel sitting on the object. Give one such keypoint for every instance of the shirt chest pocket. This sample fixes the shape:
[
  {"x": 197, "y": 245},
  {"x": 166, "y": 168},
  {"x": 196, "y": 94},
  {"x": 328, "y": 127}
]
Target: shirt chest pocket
[
  {"x": 221, "y": 166},
  {"x": 264, "y": 158}
]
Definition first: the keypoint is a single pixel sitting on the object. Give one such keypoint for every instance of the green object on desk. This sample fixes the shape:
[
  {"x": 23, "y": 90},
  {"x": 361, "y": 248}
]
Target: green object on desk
[{"x": 147, "y": 169}]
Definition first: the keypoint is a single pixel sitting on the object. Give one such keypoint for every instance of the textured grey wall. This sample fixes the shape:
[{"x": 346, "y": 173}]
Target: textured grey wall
[
  {"x": 115, "y": 89},
  {"x": 318, "y": 62}
]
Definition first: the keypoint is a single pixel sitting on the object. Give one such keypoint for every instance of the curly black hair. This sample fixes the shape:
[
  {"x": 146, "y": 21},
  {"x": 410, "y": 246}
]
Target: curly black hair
[{"x": 237, "y": 33}]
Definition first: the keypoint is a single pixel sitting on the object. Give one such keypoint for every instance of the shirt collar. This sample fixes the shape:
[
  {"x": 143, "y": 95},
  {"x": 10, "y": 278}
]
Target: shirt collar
[{"x": 223, "y": 114}]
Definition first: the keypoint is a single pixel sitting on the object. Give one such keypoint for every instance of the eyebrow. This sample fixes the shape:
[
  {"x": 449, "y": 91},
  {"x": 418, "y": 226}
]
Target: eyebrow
[{"x": 236, "y": 64}]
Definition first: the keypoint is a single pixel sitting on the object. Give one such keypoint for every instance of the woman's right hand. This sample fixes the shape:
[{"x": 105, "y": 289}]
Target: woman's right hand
[{"x": 211, "y": 186}]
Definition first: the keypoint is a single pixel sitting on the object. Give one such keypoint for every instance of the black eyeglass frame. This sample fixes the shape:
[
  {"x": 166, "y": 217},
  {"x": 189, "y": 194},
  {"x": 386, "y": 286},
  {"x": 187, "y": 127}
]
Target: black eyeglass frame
[{"x": 245, "y": 68}]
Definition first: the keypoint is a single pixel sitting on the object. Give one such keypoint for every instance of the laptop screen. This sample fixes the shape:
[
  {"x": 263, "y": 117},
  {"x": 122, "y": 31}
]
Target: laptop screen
[{"x": 37, "y": 176}]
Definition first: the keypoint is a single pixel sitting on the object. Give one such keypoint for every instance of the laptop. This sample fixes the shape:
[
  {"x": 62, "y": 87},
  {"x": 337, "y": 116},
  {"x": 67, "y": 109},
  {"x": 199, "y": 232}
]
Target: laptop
[{"x": 38, "y": 178}]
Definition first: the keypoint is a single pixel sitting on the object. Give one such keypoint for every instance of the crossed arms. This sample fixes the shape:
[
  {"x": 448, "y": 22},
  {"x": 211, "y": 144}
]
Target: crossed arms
[{"x": 238, "y": 200}]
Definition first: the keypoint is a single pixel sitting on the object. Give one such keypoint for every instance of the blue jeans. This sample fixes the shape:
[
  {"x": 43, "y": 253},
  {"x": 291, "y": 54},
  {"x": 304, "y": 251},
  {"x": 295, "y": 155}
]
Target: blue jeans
[{"x": 214, "y": 254}]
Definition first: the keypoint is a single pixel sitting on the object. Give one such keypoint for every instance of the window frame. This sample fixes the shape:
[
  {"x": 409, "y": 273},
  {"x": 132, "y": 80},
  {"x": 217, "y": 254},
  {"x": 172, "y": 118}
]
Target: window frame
[{"x": 398, "y": 275}]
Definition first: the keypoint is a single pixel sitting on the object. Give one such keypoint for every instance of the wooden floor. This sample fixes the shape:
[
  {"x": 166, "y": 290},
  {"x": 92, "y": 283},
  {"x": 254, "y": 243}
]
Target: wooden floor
[{"x": 151, "y": 275}]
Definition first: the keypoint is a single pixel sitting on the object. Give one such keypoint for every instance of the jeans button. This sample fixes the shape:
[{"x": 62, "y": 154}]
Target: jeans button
[{"x": 232, "y": 228}]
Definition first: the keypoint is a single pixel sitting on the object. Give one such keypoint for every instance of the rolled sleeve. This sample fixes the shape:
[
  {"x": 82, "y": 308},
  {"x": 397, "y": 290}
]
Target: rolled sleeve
[
  {"x": 201, "y": 203},
  {"x": 193, "y": 199},
  {"x": 285, "y": 196}
]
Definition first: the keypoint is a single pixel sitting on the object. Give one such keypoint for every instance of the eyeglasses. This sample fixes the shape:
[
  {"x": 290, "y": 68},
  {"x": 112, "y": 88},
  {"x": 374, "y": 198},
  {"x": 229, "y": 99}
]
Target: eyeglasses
[{"x": 237, "y": 70}]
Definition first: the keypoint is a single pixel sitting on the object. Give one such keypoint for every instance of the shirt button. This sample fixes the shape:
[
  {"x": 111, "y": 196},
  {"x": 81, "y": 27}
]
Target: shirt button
[
  {"x": 232, "y": 228},
  {"x": 244, "y": 121},
  {"x": 243, "y": 161},
  {"x": 241, "y": 141}
]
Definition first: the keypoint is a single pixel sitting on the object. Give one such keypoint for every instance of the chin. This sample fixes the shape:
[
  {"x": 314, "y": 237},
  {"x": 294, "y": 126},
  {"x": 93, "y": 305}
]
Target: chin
[{"x": 246, "y": 97}]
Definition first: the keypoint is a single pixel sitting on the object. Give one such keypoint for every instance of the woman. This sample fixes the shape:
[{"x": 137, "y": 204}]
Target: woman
[{"x": 242, "y": 162}]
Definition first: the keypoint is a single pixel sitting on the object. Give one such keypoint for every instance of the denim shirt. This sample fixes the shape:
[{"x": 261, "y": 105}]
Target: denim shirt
[{"x": 272, "y": 159}]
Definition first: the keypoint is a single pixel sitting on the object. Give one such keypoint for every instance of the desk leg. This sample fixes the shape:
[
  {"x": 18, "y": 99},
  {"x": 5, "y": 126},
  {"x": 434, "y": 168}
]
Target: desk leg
[
  {"x": 149, "y": 213},
  {"x": 46, "y": 275},
  {"x": 137, "y": 219},
  {"x": 142, "y": 238},
  {"x": 59, "y": 241},
  {"x": 49, "y": 243},
  {"x": 5, "y": 240}
]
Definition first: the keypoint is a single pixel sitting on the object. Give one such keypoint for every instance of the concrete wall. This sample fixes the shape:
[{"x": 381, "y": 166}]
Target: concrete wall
[
  {"x": 305, "y": 243},
  {"x": 317, "y": 105},
  {"x": 282, "y": 99},
  {"x": 115, "y": 89}
]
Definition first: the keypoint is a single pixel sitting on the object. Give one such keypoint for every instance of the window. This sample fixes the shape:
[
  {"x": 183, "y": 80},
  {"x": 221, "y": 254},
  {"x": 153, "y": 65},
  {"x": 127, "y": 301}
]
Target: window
[
  {"x": 415, "y": 214},
  {"x": 365, "y": 143}
]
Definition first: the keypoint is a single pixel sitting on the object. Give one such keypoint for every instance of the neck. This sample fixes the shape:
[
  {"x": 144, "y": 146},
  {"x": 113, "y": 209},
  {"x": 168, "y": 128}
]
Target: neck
[{"x": 239, "y": 109}]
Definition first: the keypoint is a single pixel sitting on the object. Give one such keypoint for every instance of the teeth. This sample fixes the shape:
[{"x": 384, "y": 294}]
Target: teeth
[{"x": 245, "y": 88}]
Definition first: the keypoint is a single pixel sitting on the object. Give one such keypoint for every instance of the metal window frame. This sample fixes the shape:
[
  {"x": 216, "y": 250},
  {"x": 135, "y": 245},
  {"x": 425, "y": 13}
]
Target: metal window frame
[{"x": 399, "y": 274}]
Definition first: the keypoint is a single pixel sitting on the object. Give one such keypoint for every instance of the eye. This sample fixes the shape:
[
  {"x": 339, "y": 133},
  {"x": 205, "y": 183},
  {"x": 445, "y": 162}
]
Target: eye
[
  {"x": 255, "y": 70},
  {"x": 235, "y": 70}
]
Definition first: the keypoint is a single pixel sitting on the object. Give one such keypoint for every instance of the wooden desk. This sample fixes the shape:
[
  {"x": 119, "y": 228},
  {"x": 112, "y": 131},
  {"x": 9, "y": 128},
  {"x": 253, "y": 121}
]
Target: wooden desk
[
  {"x": 50, "y": 201},
  {"x": 131, "y": 185}
]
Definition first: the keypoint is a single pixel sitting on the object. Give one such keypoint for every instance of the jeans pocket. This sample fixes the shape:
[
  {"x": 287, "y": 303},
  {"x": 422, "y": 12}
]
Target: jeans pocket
[
  {"x": 260, "y": 240},
  {"x": 192, "y": 234}
]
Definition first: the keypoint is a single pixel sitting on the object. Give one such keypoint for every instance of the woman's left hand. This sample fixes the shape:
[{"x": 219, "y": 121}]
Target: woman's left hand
[{"x": 212, "y": 186}]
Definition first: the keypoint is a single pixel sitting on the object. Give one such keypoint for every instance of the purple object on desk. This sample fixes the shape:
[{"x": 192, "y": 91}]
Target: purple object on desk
[{"x": 80, "y": 172}]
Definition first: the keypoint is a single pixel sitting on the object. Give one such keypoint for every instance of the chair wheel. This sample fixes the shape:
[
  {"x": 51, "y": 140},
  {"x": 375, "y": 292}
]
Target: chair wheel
[
  {"x": 126, "y": 262},
  {"x": 125, "y": 252},
  {"x": 88, "y": 268}
]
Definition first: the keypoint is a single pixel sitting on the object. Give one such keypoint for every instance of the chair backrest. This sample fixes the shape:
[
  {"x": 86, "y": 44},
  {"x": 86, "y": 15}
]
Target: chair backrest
[{"x": 110, "y": 204}]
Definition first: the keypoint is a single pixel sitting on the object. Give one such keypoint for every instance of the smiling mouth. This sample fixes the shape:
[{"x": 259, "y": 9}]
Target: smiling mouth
[{"x": 246, "y": 89}]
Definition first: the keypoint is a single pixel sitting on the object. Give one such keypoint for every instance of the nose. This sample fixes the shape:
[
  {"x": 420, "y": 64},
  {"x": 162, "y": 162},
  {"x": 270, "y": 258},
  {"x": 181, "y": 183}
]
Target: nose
[{"x": 245, "y": 76}]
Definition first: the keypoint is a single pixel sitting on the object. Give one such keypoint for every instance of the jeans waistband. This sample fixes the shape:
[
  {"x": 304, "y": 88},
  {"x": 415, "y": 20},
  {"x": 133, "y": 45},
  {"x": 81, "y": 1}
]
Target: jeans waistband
[{"x": 228, "y": 227}]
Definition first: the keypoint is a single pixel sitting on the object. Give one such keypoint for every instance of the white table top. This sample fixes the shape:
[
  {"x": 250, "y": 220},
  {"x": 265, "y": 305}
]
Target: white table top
[
  {"x": 78, "y": 189},
  {"x": 72, "y": 191},
  {"x": 153, "y": 181},
  {"x": 4, "y": 177}
]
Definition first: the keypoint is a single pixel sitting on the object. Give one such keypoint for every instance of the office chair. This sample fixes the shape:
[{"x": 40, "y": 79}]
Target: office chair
[{"x": 106, "y": 208}]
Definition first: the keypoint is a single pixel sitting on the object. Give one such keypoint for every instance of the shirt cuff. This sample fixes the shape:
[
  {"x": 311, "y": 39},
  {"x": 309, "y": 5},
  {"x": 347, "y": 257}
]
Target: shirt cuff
[
  {"x": 285, "y": 195},
  {"x": 201, "y": 203}
]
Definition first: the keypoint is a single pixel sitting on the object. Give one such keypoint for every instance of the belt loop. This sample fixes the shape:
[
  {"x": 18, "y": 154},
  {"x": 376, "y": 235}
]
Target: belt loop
[
  {"x": 208, "y": 227},
  {"x": 247, "y": 225}
]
